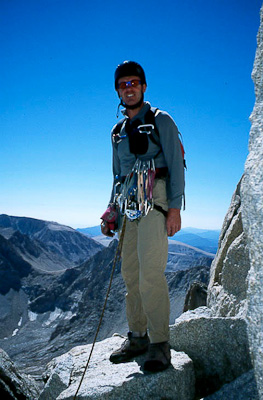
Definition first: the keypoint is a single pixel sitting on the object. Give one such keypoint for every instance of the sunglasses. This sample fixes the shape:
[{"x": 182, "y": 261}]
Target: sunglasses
[{"x": 133, "y": 83}]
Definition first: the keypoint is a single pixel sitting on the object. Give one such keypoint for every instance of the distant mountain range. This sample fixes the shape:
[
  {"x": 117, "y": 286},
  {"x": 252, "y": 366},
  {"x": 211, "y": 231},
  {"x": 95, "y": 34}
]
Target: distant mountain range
[
  {"x": 53, "y": 281},
  {"x": 203, "y": 239}
]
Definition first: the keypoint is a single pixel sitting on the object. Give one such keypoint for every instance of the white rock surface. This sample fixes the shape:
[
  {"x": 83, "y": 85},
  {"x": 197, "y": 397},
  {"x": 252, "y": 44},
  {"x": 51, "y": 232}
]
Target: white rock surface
[
  {"x": 227, "y": 290},
  {"x": 104, "y": 380},
  {"x": 252, "y": 217}
]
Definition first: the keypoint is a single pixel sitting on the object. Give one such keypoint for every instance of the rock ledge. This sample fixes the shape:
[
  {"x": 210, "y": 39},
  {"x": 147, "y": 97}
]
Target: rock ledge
[{"x": 104, "y": 380}]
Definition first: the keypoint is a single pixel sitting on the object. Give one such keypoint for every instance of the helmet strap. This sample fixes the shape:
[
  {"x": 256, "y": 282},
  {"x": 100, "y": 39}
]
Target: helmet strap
[{"x": 118, "y": 109}]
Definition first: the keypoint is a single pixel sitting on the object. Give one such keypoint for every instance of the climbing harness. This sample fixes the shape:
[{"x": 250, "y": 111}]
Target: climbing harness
[
  {"x": 150, "y": 128},
  {"x": 115, "y": 261}
]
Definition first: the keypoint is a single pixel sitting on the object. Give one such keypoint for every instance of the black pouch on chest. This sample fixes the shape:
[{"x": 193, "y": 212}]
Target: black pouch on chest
[{"x": 138, "y": 140}]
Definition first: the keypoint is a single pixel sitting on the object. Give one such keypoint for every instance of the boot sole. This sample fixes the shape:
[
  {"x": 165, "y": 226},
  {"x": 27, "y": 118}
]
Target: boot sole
[
  {"x": 126, "y": 357},
  {"x": 152, "y": 366}
]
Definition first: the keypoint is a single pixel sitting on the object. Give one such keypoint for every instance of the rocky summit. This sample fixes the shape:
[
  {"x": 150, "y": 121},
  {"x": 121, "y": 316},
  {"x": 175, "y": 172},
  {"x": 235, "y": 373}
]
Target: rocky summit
[{"x": 105, "y": 380}]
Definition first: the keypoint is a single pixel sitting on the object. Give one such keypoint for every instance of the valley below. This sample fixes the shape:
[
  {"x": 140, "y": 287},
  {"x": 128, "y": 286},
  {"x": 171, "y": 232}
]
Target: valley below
[{"x": 53, "y": 286}]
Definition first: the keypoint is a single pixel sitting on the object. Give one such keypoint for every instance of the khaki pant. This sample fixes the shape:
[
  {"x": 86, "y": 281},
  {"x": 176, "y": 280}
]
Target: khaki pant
[{"x": 144, "y": 258}]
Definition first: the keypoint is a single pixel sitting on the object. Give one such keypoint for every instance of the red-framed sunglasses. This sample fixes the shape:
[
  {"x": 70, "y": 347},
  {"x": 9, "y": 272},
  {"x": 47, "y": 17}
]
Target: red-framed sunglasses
[{"x": 132, "y": 83}]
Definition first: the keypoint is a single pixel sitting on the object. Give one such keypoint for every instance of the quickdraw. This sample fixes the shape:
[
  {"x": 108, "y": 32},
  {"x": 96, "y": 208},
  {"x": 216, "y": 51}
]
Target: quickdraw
[{"x": 136, "y": 197}]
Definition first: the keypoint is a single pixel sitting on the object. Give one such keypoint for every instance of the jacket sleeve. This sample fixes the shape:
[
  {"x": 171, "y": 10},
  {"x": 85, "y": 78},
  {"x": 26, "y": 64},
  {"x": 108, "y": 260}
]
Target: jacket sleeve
[
  {"x": 116, "y": 169},
  {"x": 171, "y": 147}
]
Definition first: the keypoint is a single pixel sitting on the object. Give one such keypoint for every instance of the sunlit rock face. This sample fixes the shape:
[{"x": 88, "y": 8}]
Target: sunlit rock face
[
  {"x": 227, "y": 290},
  {"x": 252, "y": 217}
]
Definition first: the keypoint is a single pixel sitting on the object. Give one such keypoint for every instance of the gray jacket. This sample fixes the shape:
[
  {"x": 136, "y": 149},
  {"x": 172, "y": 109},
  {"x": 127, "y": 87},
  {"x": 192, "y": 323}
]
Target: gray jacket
[{"x": 170, "y": 156}]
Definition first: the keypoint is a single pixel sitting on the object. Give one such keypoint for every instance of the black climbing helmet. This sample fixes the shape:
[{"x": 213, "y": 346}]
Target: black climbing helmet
[{"x": 128, "y": 68}]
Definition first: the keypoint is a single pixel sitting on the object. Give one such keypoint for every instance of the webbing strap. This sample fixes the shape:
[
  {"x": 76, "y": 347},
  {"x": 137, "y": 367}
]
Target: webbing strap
[{"x": 160, "y": 209}]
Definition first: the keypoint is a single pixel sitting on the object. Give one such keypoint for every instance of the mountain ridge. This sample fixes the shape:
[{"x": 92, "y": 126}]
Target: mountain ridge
[
  {"x": 44, "y": 313},
  {"x": 203, "y": 239},
  {"x": 59, "y": 246}
]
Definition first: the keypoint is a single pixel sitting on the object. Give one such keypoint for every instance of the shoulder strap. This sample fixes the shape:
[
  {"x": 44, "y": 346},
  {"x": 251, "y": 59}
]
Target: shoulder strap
[
  {"x": 150, "y": 119},
  {"x": 115, "y": 134},
  {"x": 117, "y": 128}
]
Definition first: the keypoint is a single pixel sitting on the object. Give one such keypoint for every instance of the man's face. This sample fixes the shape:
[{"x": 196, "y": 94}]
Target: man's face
[{"x": 131, "y": 94}]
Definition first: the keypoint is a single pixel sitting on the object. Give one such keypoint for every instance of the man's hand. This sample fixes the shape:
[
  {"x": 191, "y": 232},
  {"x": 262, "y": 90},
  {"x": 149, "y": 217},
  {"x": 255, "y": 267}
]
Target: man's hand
[
  {"x": 105, "y": 230},
  {"x": 173, "y": 221}
]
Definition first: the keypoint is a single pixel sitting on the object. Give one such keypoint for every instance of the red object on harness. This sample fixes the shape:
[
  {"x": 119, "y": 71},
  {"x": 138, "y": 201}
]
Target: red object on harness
[{"x": 111, "y": 217}]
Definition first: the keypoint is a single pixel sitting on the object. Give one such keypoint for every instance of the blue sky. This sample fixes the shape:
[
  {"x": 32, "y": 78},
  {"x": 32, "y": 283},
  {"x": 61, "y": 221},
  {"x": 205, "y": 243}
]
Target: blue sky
[{"x": 58, "y": 102}]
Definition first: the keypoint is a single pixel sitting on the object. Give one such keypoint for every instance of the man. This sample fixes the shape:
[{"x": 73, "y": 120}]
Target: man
[{"x": 145, "y": 245}]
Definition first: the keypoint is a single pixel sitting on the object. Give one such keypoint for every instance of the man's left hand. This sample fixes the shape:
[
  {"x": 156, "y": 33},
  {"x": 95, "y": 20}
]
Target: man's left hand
[{"x": 173, "y": 221}]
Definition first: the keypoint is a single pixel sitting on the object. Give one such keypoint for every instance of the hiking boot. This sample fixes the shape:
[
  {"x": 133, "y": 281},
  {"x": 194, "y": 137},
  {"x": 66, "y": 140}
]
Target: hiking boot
[
  {"x": 132, "y": 347},
  {"x": 159, "y": 357}
]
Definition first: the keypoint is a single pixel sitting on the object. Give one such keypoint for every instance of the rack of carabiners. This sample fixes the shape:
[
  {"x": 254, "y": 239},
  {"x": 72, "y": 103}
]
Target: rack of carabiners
[{"x": 136, "y": 197}]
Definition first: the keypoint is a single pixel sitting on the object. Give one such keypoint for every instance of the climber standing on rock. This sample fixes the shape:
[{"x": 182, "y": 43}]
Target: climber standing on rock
[{"x": 148, "y": 189}]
